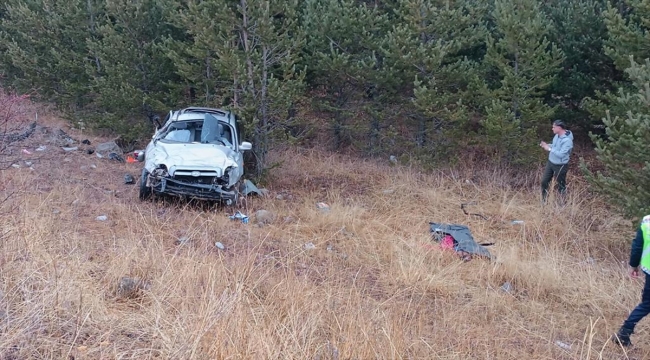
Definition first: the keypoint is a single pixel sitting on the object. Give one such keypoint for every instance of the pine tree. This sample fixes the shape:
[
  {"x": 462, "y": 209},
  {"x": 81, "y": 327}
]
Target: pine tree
[
  {"x": 342, "y": 55},
  {"x": 524, "y": 63},
  {"x": 243, "y": 56},
  {"x": 434, "y": 48},
  {"x": 625, "y": 154},
  {"x": 131, "y": 76},
  {"x": 580, "y": 31},
  {"x": 45, "y": 49}
]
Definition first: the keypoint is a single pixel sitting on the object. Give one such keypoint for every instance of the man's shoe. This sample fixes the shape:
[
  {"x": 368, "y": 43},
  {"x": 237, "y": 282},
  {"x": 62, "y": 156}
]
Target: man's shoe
[{"x": 621, "y": 340}]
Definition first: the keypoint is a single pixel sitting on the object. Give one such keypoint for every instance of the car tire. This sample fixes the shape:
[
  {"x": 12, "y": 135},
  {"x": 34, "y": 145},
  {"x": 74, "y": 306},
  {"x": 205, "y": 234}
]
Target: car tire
[{"x": 145, "y": 191}]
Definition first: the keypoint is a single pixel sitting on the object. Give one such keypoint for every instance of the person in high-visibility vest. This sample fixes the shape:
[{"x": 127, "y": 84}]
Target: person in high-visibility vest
[{"x": 639, "y": 257}]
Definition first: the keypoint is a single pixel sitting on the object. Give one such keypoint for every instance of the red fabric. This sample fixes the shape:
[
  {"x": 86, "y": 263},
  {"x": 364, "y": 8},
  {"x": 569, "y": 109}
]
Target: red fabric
[{"x": 447, "y": 242}]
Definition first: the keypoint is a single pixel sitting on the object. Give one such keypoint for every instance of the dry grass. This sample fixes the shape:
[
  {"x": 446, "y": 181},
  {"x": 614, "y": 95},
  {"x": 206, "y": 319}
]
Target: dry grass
[{"x": 373, "y": 288}]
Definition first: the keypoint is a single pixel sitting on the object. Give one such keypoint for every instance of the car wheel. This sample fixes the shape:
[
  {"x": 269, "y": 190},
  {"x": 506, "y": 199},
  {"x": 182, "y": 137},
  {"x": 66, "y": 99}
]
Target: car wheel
[{"x": 145, "y": 191}]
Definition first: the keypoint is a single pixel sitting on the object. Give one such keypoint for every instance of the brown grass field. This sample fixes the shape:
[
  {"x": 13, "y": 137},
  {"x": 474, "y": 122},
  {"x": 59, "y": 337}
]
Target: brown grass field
[{"x": 374, "y": 287}]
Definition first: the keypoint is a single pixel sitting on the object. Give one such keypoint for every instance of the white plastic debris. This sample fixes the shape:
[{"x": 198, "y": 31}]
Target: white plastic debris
[
  {"x": 219, "y": 246},
  {"x": 563, "y": 345},
  {"x": 41, "y": 148},
  {"x": 101, "y": 218}
]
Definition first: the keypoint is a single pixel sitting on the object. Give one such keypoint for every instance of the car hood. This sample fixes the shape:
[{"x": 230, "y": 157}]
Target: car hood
[{"x": 183, "y": 156}]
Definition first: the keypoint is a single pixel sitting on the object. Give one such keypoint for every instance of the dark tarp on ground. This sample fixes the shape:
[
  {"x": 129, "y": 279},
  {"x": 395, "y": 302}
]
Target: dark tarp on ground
[{"x": 462, "y": 236}]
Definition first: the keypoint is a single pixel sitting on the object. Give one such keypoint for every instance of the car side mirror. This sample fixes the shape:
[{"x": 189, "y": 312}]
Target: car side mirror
[{"x": 245, "y": 146}]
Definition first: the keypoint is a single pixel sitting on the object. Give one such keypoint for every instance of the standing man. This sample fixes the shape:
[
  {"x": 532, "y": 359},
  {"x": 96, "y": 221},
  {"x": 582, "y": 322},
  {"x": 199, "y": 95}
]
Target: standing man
[
  {"x": 558, "y": 158},
  {"x": 640, "y": 255}
]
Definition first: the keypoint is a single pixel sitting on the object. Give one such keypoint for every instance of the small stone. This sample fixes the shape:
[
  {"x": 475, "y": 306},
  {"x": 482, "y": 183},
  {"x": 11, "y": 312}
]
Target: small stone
[
  {"x": 309, "y": 246},
  {"x": 264, "y": 217},
  {"x": 28, "y": 163},
  {"x": 86, "y": 142},
  {"x": 90, "y": 151},
  {"x": 67, "y": 160},
  {"x": 15, "y": 166},
  {"x": 219, "y": 246},
  {"x": 101, "y": 218},
  {"x": 129, "y": 287},
  {"x": 183, "y": 240},
  {"x": 93, "y": 166},
  {"x": 563, "y": 345},
  {"x": 70, "y": 148},
  {"x": 323, "y": 207},
  {"x": 280, "y": 197},
  {"x": 128, "y": 179}
]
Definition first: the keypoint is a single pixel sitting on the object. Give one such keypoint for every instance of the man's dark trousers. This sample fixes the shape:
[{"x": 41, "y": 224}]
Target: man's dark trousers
[
  {"x": 638, "y": 313},
  {"x": 557, "y": 171}
]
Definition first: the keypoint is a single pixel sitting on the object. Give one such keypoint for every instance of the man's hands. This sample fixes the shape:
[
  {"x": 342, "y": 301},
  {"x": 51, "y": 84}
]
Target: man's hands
[
  {"x": 634, "y": 272},
  {"x": 545, "y": 146}
]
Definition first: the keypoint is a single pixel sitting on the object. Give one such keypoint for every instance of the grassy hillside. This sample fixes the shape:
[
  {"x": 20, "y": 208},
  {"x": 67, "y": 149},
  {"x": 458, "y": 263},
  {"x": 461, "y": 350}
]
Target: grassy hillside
[{"x": 374, "y": 287}]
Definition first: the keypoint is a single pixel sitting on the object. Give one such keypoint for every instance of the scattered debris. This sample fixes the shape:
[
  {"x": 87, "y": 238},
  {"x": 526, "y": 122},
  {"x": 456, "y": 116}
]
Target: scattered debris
[
  {"x": 247, "y": 187},
  {"x": 56, "y": 211},
  {"x": 462, "y": 206},
  {"x": 93, "y": 166},
  {"x": 116, "y": 157},
  {"x": 130, "y": 159},
  {"x": 563, "y": 345},
  {"x": 101, "y": 218},
  {"x": 219, "y": 246},
  {"x": 28, "y": 163},
  {"x": 130, "y": 287},
  {"x": 25, "y": 151},
  {"x": 70, "y": 148},
  {"x": 279, "y": 197},
  {"x": 15, "y": 166},
  {"x": 323, "y": 206},
  {"x": 462, "y": 239},
  {"x": 183, "y": 240},
  {"x": 239, "y": 216},
  {"x": 128, "y": 179},
  {"x": 388, "y": 191},
  {"x": 90, "y": 151},
  {"x": 330, "y": 248},
  {"x": 517, "y": 222},
  {"x": 86, "y": 142},
  {"x": 507, "y": 287},
  {"x": 41, "y": 148},
  {"x": 264, "y": 217},
  {"x": 393, "y": 159},
  {"x": 62, "y": 139},
  {"x": 9, "y": 138},
  {"x": 309, "y": 246},
  {"x": 105, "y": 149}
]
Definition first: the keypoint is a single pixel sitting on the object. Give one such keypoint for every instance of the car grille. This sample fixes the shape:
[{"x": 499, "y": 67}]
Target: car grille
[{"x": 195, "y": 180}]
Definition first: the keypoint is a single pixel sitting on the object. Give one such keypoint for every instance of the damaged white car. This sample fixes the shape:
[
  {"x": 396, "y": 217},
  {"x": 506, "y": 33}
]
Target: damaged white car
[{"x": 196, "y": 153}]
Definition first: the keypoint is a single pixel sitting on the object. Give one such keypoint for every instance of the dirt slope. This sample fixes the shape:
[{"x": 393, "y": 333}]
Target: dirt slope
[{"x": 373, "y": 285}]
